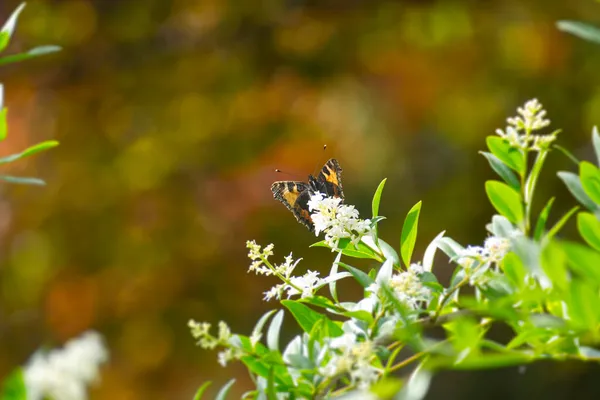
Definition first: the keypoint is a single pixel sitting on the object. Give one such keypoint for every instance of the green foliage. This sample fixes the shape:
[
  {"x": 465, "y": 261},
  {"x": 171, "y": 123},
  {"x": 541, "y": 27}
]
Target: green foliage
[
  {"x": 545, "y": 290},
  {"x": 580, "y": 29},
  {"x": 13, "y": 387}
]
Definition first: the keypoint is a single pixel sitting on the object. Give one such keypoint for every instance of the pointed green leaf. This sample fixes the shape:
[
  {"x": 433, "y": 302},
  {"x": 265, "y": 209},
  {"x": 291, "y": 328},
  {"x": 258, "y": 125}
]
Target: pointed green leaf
[
  {"x": 505, "y": 200},
  {"x": 580, "y": 29},
  {"x": 273, "y": 332},
  {"x": 35, "y": 52},
  {"x": 589, "y": 228},
  {"x": 333, "y": 283},
  {"x": 361, "y": 250},
  {"x": 584, "y": 305},
  {"x": 3, "y": 124},
  {"x": 583, "y": 260},
  {"x": 553, "y": 261},
  {"x": 590, "y": 180},
  {"x": 508, "y": 155},
  {"x": 514, "y": 269},
  {"x": 377, "y": 198},
  {"x": 596, "y": 142},
  {"x": 257, "y": 331},
  {"x": 48, "y": 144},
  {"x": 222, "y": 395},
  {"x": 409, "y": 233},
  {"x": 502, "y": 170},
  {"x": 561, "y": 222},
  {"x": 307, "y": 317},
  {"x": 362, "y": 278},
  {"x": 540, "y": 226},
  {"x": 21, "y": 180},
  {"x": 567, "y": 153},
  {"x": 201, "y": 390},
  {"x": 9, "y": 27},
  {"x": 573, "y": 183},
  {"x": 534, "y": 175}
]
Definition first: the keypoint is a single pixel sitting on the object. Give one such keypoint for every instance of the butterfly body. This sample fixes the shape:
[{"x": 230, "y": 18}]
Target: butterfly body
[{"x": 296, "y": 194}]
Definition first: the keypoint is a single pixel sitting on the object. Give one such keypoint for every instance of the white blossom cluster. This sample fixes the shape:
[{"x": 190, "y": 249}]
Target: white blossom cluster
[
  {"x": 336, "y": 220},
  {"x": 353, "y": 357},
  {"x": 519, "y": 129},
  {"x": 493, "y": 251},
  {"x": 304, "y": 285},
  {"x": 64, "y": 374},
  {"x": 201, "y": 332},
  {"x": 407, "y": 287}
]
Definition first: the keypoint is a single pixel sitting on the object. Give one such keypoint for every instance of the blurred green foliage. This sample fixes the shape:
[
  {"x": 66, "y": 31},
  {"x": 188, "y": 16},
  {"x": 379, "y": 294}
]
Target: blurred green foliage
[{"x": 172, "y": 116}]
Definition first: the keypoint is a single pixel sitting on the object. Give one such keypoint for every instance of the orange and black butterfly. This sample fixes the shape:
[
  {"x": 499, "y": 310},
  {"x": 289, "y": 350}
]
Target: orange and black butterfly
[{"x": 295, "y": 194}]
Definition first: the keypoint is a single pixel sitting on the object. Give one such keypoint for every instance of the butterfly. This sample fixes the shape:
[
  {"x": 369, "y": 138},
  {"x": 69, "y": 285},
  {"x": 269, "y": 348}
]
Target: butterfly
[{"x": 295, "y": 194}]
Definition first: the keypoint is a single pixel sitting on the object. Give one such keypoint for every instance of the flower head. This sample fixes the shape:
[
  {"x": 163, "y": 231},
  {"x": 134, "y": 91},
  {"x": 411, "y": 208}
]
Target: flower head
[
  {"x": 65, "y": 373},
  {"x": 406, "y": 287},
  {"x": 336, "y": 220},
  {"x": 530, "y": 118}
]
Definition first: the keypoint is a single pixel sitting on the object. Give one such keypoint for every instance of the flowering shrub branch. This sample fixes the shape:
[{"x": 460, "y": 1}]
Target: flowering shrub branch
[{"x": 544, "y": 289}]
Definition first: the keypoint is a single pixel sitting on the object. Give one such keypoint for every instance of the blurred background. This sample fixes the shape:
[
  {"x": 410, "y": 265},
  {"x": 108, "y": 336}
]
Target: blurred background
[{"x": 172, "y": 116}]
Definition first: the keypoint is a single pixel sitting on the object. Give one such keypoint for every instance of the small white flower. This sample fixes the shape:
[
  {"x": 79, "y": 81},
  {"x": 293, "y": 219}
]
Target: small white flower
[
  {"x": 531, "y": 117},
  {"x": 65, "y": 373},
  {"x": 496, "y": 248},
  {"x": 519, "y": 129},
  {"x": 259, "y": 256},
  {"x": 274, "y": 293},
  {"x": 303, "y": 285},
  {"x": 336, "y": 220}
]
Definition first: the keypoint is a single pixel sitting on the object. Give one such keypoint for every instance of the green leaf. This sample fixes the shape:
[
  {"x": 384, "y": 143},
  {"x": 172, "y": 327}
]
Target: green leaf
[
  {"x": 409, "y": 233},
  {"x": 514, "y": 269},
  {"x": 377, "y": 198},
  {"x": 502, "y": 170},
  {"x": 561, "y": 222},
  {"x": 589, "y": 228},
  {"x": 333, "y": 283},
  {"x": 222, "y": 395},
  {"x": 534, "y": 175},
  {"x": 567, "y": 153},
  {"x": 361, "y": 315},
  {"x": 580, "y": 29},
  {"x": 584, "y": 305},
  {"x": 361, "y": 250},
  {"x": 48, "y": 144},
  {"x": 361, "y": 277},
  {"x": 505, "y": 200},
  {"x": 201, "y": 390},
  {"x": 449, "y": 246},
  {"x": 25, "y": 181},
  {"x": 417, "y": 386},
  {"x": 574, "y": 185},
  {"x": 494, "y": 360},
  {"x": 3, "y": 125},
  {"x": 261, "y": 323},
  {"x": 271, "y": 393},
  {"x": 307, "y": 317},
  {"x": 596, "y": 142},
  {"x": 9, "y": 27},
  {"x": 35, "y": 52},
  {"x": 387, "y": 387},
  {"x": 590, "y": 180},
  {"x": 13, "y": 387},
  {"x": 540, "y": 226},
  {"x": 508, "y": 155},
  {"x": 553, "y": 261},
  {"x": 429, "y": 254},
  {"x": 273, "y": 332},
  {"x": 583, "y": 260}
]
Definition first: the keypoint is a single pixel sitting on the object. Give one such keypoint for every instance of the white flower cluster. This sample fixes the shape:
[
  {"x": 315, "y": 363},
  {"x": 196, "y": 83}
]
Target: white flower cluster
[
  {"x": 493, "y": 251},
  {"x": 530, "y": 118},
  {"x": 336, "y": 220},
  {"x": 200, "y": 331},
  {"x": 304, "y": 285},
  {"x": 63, "y": 374},
  {"x": 407, "y": 287},
  {"x": 353, "y": 357}
]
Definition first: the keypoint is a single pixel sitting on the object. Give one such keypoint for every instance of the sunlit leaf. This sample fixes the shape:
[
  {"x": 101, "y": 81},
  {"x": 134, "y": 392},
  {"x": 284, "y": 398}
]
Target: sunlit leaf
[
  {"x": 3, "y": 125},
  {"x": 590, "y": 180},
  {"x": 417, "y": 386},
  {"x": 534, "y": 175},
  {"x": 387, "y": 387},
  {"x": 361, "y": 277},
  {"x": 273, "y": 332},
  {"x": 429, "y": 254},
  {"x": 540, "y": 226},
  {"x": 504, "y": 152},
  {"x": 222, "y": 395},
  {"x": 580, "y": 29},
  {"x": 48, "y": 144},
  {"x": 35, "y": 52},
  {"x": 22, "y": 180},
  {"x": 377, "y": 198},
  {"x": 9, "y": 27},
  {"x": 514, "y": 269},
  {"x": 360, "y": 250},
  {"x": 505, "y": 200},
  {"x": 201, "y": 390},
  {"x": 584, "y": 305},
  {"x": 589, "y": 228},
  {"x": 409, "y": 233},
  {"x": 333, "y": 283},
  {"x": 561, "y": 222},
  {"x": 583, "y": 260},
  {"x": 574, "y": 185},
  {"x": 502, "y": 170},
  {"x": 553, "y": 261},
  {"x": 307, "y": 318}
]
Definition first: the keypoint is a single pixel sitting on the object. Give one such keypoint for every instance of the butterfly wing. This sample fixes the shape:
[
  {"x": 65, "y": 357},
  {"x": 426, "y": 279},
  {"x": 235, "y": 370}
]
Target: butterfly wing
[
  {"x": 295, "y": 196},
  {"x": 329, "y": 180}
]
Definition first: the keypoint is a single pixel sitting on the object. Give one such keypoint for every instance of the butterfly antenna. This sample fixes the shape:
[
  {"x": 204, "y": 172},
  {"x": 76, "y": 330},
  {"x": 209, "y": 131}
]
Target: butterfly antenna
[
  {"x": 286, "y": 173},
  {"x": 316, "y": 168}
]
